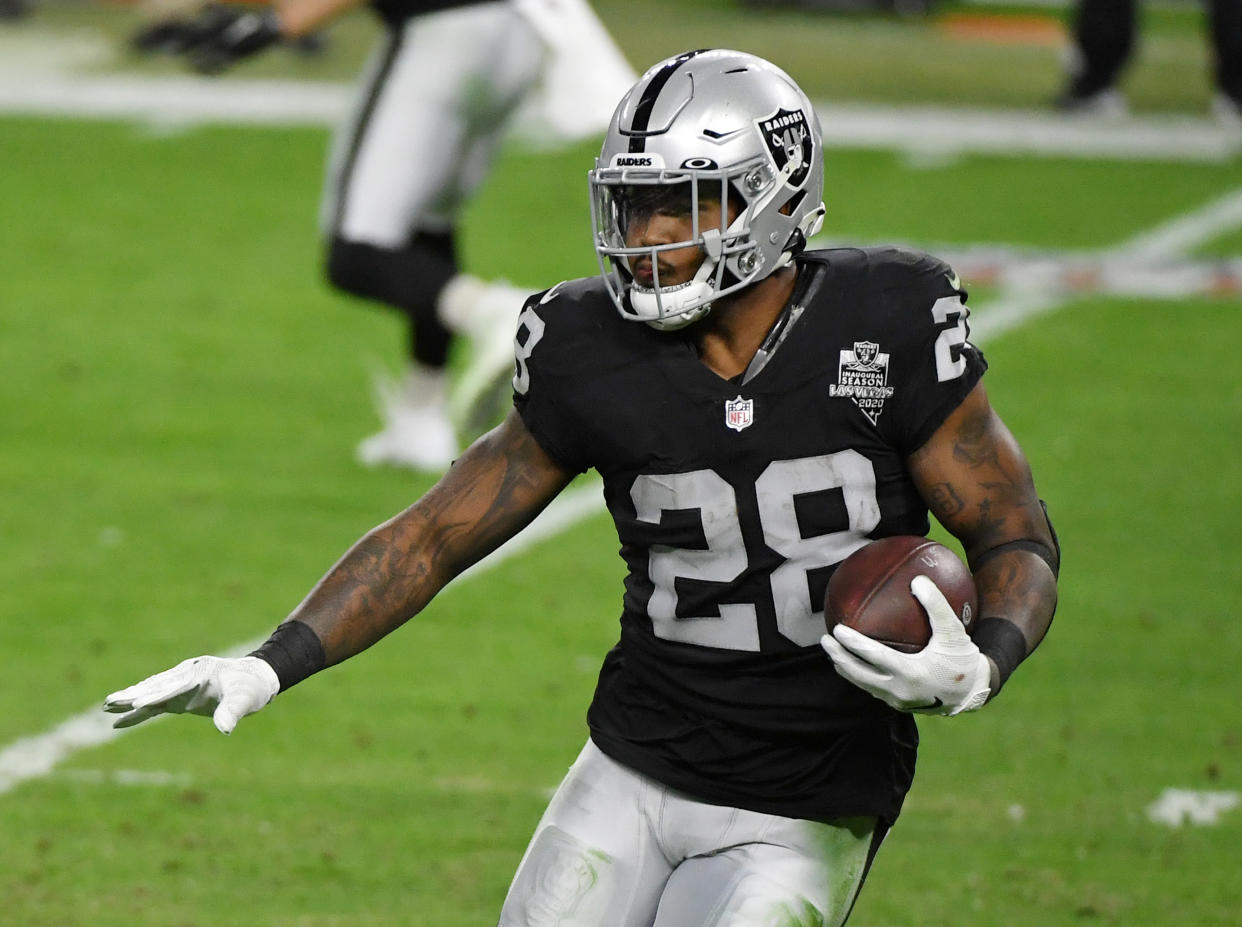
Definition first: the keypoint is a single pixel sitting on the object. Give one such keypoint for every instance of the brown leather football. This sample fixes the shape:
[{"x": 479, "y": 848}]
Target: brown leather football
[{"x": 870, "y": 590}]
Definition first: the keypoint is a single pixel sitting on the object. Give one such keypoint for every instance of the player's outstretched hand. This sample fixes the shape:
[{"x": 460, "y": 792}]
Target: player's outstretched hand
[
  {"x": 222, "y": 35},
  {"x": 227, "y": 689},
  {"x": 946, "y": 677}
]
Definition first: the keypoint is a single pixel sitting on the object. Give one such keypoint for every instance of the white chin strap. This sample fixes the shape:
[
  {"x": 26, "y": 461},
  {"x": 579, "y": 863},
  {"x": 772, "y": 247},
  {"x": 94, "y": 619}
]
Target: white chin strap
[
  {"x": 664, "y": 312},
  {"x": 676, "y": 306}
]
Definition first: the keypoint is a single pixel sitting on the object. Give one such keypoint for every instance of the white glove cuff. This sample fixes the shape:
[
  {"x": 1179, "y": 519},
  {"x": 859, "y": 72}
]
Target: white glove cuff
[
  {"x": 263, "y": 673},
  {"x": 980, "y": 686}
]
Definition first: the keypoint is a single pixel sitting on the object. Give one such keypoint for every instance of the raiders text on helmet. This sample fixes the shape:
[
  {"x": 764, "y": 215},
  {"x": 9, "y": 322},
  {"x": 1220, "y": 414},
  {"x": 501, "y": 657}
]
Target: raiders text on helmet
[{"x": 712, "y": 124}]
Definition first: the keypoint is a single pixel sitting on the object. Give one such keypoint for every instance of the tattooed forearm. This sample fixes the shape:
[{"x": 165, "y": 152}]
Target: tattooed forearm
[
  {"x": 1020, "y": 587},
  {"x": 371, "y": 591},
  {"x": 392, "y": 572}
]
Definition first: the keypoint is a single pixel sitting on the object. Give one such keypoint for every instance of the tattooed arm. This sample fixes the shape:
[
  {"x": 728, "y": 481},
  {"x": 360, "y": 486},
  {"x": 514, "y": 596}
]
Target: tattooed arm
[
  {"x": 497, "y": 488},
  {"x": 978, "y": 484}
]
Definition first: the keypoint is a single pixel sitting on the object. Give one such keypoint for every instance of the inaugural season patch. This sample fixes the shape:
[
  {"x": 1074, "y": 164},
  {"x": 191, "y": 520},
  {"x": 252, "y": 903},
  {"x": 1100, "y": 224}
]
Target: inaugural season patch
[
  {"x": 863, "y": 377},
  {"x": 788, "y": 138}
]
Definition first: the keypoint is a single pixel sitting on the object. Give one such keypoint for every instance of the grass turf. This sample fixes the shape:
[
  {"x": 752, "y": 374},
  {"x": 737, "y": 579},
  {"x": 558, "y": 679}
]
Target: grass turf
[{"x": 181, "y": 398}]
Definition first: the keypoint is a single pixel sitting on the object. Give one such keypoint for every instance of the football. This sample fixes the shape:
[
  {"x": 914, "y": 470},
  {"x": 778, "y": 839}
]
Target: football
[{"x": 870, "y": 590}]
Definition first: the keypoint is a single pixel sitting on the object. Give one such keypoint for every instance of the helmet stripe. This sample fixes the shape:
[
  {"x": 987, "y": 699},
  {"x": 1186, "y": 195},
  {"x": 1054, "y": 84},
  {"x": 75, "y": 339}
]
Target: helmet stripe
[{"x": 646, "y": 103}]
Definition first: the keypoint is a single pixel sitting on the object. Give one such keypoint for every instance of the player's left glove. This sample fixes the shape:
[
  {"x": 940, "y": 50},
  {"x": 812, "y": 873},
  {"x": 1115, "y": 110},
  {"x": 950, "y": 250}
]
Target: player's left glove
[
  {"x": 946, "y": 677},
  {"x": 224, "y": 35}
]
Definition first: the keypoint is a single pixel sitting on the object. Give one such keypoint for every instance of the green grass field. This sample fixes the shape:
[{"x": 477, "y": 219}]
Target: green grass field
[{"x": 181, "y": 396}]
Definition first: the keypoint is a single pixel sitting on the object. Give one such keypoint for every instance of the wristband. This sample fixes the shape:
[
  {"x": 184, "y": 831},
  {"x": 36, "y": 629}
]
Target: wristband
[
  {"x": 1042, "y": 551},
  {"x": 294, "y": 651},
  {"x": 1004, "y": 643}
]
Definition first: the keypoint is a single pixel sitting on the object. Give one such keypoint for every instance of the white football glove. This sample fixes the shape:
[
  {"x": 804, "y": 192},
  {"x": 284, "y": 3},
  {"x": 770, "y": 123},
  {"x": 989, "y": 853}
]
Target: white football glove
[
  {"x": 946, "y": 677},
  {"x": 227, "y": 689}
]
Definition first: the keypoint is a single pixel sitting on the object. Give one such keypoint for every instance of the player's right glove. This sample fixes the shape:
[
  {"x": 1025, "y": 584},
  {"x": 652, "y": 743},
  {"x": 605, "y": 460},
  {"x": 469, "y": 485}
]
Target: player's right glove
[
  {"x": 221, "y": 35},
  {"x": 172, "y": 36},
  {"x": 227, "y": 689}
]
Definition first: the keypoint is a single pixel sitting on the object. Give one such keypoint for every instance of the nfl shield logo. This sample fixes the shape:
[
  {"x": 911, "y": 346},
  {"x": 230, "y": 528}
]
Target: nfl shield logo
[{"x": 739, "y": 413}]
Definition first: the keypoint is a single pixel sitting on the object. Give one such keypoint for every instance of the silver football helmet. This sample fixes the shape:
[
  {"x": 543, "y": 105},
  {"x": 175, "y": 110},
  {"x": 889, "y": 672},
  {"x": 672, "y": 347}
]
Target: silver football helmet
[{"x": 714, "y": 125}]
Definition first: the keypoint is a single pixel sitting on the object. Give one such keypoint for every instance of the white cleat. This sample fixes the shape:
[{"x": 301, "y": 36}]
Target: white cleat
[
  {"x": 417, "y": 432},
  {"x": 1227, "y": 111},
  {"x": 1109, "y": 103}
]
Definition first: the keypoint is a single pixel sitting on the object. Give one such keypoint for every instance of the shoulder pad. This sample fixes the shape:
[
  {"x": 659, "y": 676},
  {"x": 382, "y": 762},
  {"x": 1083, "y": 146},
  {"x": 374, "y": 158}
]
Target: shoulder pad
[
  {"x": 573, "y": 292},
  {"x": 890, "y": 268},
  {"x": 899, "y": 268}
]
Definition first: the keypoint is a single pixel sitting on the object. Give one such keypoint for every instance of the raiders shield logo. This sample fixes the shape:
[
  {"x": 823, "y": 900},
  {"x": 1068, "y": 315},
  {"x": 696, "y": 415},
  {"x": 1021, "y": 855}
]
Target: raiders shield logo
[
  {"x": 865, "y": 354},
  {"x": 789, "y": 140}
]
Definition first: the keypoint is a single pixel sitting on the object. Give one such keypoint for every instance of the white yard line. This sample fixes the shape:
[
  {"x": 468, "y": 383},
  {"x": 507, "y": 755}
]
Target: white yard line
[
  {"x": 1134, "y": 260},
  {"x": 1149, "y": 265},
  {"x": 915, "y": 131},
  {"x": 1183, "y": 233},
  {"x": 179, "y": 101},
  {"x": 1010, "y": 312},
  {"x": 47, "y": 74},
  {"x": 36, "y": 756},
  {"x": 936, "y": 131}
]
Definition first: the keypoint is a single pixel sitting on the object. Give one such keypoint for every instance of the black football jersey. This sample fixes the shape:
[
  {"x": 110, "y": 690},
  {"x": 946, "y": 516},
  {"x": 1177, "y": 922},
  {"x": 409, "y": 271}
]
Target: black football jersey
[
  {"x": 734, "y": 500},
  {"x": 397, "y": 11}
]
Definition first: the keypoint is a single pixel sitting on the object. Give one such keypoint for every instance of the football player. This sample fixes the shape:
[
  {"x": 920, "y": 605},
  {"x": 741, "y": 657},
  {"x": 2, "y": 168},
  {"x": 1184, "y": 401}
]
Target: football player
[
  {"x": 757, "y": 412},
  {"x": 429, "y": 117},
  {"x": 1104, "y": 39}
]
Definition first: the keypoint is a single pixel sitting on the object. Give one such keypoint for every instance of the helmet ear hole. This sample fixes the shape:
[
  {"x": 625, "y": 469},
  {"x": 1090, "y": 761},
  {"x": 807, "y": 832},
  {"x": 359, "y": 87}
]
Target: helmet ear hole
[{"x": 788, "y": 207}]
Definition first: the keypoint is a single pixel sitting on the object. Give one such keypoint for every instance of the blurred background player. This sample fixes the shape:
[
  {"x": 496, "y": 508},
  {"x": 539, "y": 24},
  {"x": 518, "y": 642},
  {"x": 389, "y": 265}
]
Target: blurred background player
[
  {"x": 441, "y": 87},
  {"x": 13, "y": 9},
  {"x": 1104, "y": 39},
  {"x": 174, "y": 26}
]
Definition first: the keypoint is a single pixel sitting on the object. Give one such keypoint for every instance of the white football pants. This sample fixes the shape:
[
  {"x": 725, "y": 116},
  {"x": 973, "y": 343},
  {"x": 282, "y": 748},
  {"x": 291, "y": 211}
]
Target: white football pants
[
  {"x": 616, "y": 849},
  {"x": 427, "y": 122}
]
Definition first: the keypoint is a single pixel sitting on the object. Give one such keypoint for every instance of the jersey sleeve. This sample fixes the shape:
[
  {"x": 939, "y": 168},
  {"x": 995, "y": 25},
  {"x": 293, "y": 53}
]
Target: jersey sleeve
[
  {"x": 548, "y": 356},
  {"x": 937, "y": 366}
]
